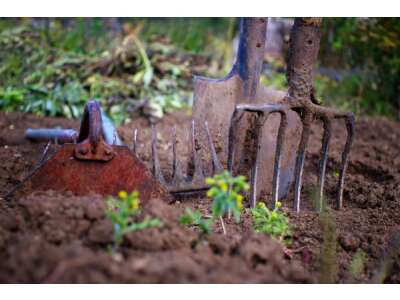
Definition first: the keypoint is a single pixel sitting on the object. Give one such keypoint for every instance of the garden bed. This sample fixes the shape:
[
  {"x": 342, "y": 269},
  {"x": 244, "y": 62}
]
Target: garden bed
[{"x": 51, "y": 237}]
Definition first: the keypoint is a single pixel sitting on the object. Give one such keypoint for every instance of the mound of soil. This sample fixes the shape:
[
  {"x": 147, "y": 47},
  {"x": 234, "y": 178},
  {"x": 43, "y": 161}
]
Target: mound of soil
[{"x": 52, "y": 237}]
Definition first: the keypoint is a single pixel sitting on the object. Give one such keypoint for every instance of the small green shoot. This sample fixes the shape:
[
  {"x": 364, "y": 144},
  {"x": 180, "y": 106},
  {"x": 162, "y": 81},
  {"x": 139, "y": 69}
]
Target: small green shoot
[
  {"x": 357, "y": 265},
  {"x": 122, "y": 213},
  {"x": 195, "y": 218},
  {"x": 225, "y": 191},
  {"x": 328, "y": 256},
  {"x": 274, "y": 222}
]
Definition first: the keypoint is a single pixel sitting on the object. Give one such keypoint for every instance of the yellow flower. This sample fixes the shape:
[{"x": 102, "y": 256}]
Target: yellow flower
[
  {"x": 135, "y": 204},
  {"x": 261, "y": 205},
  {"x": 278, "y": 204},
  {"x": 209, "y": 180},
  {"x": 239, "y": 199},
  {"x": 211, "y": 193},
  {"x": 223, "y": 186},
  {"x": 122, "y": 195}
]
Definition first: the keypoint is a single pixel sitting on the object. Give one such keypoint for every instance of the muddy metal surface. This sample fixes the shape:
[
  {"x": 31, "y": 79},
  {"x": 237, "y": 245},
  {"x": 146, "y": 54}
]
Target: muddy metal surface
[{"x": 52, "y": 237}]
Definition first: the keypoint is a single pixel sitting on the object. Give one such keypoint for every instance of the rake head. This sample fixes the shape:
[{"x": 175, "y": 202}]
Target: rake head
[{"x": 182, "y": 182}]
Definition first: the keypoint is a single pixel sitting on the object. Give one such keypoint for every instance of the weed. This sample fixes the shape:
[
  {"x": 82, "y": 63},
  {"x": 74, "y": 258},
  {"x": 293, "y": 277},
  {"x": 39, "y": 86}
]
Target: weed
[
  {"x": 274, "y": 222},
  {"x": 357, "y": 265},
  {"x": 328, "y": 254},
  {"x": 122, "y": 213},
  {"x": 226, "y": 193},
  {"x": 195, "y": 218}
]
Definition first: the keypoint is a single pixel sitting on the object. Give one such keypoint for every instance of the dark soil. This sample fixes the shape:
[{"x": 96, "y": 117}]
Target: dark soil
[{"x": 52, "y": 237}]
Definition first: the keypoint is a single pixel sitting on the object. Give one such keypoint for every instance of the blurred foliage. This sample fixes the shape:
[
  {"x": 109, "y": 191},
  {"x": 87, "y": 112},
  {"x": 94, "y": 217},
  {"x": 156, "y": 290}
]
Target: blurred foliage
[
  {"x": 367, "y": 50},
  {"x": 144, "y": 66},
  {"x": 53, "y": 66}
]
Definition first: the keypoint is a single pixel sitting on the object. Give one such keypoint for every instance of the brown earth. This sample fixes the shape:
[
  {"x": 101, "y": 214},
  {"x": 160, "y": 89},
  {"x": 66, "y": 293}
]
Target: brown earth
[{"x": 51, "y": 237}]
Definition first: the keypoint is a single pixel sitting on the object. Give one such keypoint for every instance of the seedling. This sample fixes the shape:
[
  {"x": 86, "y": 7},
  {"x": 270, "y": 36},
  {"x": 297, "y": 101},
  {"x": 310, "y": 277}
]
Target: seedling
[
  {"x": 274, "y": 222},
  {"x": 122, "y": 213},
  {"x": 195, "y": 218},
  {"x": 357, "y": 265},
  {"x": 225, "y": 191}
]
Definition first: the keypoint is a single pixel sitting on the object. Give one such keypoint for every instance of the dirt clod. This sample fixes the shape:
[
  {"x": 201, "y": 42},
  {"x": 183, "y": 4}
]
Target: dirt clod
[{"x": 52, "y": 237}]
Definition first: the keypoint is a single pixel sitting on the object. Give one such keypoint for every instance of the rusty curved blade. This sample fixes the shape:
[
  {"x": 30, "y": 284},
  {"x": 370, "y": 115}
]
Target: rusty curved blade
[
  {"x": 64, "y": 172},
  {"x": 93, "y": 166}
]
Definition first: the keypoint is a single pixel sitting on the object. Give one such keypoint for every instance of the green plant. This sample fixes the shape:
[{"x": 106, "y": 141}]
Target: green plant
[
  {"x": 122, "y": 213},
  {"x": 195, "y": 218},
  {"x": 357, "y": 265},
  {"x": 274, "y": 222},
  {"x": 328, "y": 253},
  {"x": 226, "y": 193}
]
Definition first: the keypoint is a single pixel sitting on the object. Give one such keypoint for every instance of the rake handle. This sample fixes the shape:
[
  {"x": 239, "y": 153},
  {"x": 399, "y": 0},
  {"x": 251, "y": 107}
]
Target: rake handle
[{"x": 57, "y": 135}]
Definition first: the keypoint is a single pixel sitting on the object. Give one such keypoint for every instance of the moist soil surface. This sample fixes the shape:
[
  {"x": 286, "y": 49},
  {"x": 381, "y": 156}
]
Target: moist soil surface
[{"x": 50, "y": 237}]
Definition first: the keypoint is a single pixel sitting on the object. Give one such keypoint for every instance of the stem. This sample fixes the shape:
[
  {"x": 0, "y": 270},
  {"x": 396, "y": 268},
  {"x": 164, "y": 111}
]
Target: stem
[
  {"x": 229, "y": 210},
  {"x": 222, "y": 224}
]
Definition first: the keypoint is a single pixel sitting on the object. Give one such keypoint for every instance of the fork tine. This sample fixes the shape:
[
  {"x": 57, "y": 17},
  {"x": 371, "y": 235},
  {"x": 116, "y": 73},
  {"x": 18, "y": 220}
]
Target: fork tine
[
  {"x": 198, "y": 175},
  {"x": 349, "y": 119},
  {"x": 323, "y": 162},
  {"x": 177, "y": 175},
  {"x": 278, "y": 156},
  {"x": 135, "y": 134},
  {"x": 301, "y": 152},
  {"x": 236, "y": 117},
  {"x": 216, "y": 165},
  {"x": 156, "y": 162},
  {"x": 254, "y": 169}
]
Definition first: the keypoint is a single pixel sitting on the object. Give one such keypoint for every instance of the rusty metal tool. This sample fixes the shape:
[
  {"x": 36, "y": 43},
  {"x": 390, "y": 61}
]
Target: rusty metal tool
[
  {"x": 300, "y": 99},
  {"x": 215, "y": 101},
  {"x": 93, "y": 165},
  {"x": 182, "y": 183}
]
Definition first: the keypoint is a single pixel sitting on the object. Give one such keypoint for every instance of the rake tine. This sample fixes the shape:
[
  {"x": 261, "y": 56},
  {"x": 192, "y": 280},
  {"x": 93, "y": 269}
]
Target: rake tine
[
  {"x": 278, "y": 155},
  {"x": 216, "y": 165},
  {"x": 45, "y": 151},
  {"x": 41, "y": 161},
  {"x": 301, "y": 153},
  {"x": 177, "y": 175},
  {"x": 324, "y": 159},
  {"x": 236, "y": 117},
  {"x": 349, "y": 119},
  {"x": 254, "y": 170},
  {"x": 156, "y": 162},
  {"x": 198, "y": 175},
  {"x": 114, "y": 137},
  {"x": 134, "y": 146}
]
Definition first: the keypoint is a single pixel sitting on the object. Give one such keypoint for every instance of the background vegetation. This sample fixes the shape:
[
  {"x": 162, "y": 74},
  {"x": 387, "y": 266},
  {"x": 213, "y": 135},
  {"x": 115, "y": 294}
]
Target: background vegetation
[{"x": 144, "y": 66}]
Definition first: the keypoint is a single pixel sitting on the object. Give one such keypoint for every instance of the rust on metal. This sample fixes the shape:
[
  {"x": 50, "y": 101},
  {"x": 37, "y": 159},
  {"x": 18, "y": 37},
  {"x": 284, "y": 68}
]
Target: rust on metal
[{"x": 93, "y": 166}]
